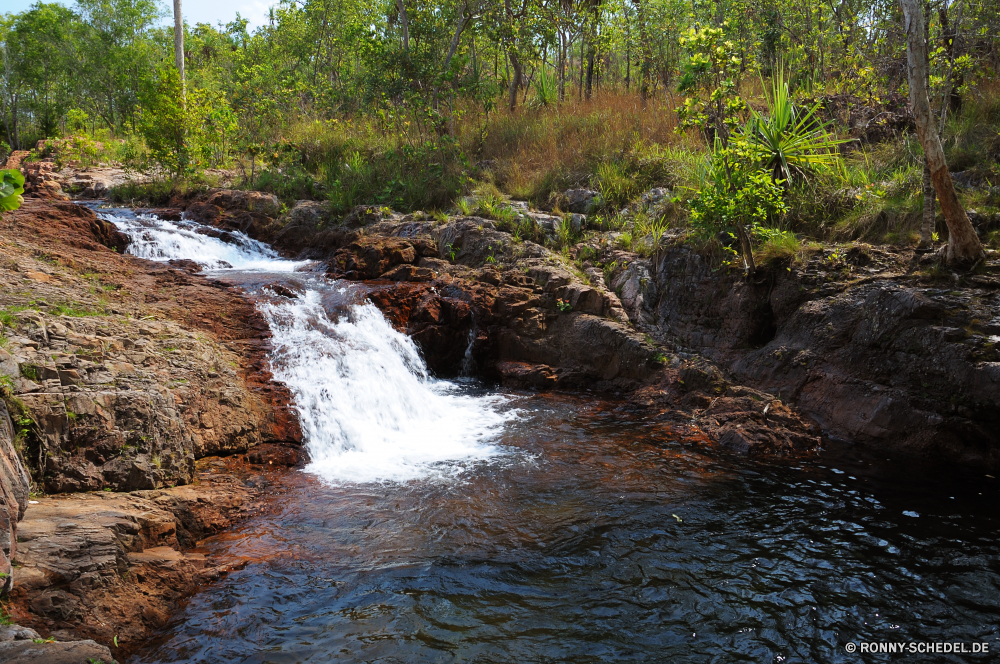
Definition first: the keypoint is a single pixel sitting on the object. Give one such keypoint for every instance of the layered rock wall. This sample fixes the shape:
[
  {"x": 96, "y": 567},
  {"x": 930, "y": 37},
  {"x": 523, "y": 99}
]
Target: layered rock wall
[
  {"x": 863, "y": 341},
  {"x": 14, "y": 487}
]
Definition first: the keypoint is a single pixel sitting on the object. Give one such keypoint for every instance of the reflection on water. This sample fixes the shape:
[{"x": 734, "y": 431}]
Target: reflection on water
[{"x": 570, "y": 549}]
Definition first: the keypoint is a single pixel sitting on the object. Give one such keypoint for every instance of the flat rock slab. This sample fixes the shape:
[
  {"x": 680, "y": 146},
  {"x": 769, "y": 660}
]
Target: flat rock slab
[{"x": 66, "y": 652}]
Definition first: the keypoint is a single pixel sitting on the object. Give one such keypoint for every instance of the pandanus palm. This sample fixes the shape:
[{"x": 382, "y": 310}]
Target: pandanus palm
[{"x": 791, "y": 140}]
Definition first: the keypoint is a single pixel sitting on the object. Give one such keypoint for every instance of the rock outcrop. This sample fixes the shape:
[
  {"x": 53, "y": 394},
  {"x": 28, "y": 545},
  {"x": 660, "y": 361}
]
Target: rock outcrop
[
  {"x": 127, "y": 368},
  {"x": 478, "y": 299},
  {"x": 869, "y": 342},
  {"x": 21, "y": 645},
  {"x": 14, "y": 488},
  {"x": 122, "y": 374},
  {"x": 520, "y": 305},
  {"x": 104, "y": 564}
]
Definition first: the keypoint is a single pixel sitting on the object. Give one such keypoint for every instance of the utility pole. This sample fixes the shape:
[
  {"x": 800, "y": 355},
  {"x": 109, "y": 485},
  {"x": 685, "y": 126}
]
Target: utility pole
[{"x": 179, "y": 44}]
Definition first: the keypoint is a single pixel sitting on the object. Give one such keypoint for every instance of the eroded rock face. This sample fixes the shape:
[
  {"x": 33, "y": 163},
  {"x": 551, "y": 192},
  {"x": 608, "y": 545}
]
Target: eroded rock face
[
  {"x": 131, "y": 369},
  {"x": 369, "y": 257},
  {"x": 126, "y": 405},
  {"x": 14, "y": 487},
  {"x": 493, "y": 320},
  {"x": 858, "y": 341}
]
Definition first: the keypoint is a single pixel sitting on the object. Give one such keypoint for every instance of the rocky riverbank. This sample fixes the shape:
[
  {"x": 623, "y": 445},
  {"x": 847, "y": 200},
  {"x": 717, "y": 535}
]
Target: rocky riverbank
[
  {"x": 122, "y": 378},
  {"x": 877, "y": 345}
]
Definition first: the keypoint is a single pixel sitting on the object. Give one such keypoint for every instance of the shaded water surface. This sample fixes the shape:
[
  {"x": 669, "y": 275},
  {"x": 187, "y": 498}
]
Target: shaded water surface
[
  {"x": 567, "y": 548},
  {"x": 443, "y": 521}
]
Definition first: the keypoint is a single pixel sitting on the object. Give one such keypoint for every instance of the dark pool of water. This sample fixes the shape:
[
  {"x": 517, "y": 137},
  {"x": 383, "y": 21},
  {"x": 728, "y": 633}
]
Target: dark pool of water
[{"x": 600, "y": 537}]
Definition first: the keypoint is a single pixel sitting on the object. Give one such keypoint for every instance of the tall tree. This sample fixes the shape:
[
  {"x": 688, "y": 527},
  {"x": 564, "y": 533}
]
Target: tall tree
[
  {"x": 963, "y": 243},
  {"x": 179, "y": 44}
]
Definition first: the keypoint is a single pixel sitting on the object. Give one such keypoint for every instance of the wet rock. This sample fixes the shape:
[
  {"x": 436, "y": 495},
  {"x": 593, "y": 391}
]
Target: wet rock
[
  {"x": 524, "y": 375},
  {"x": 168, "y": 214},
  {"x": 102, "y": 565},
  {"x": 250, "y": 212},
  {"x": 186, "y": 265},
  {"x": 283, "y": 291},
  {"x": 275, "y": 455}
]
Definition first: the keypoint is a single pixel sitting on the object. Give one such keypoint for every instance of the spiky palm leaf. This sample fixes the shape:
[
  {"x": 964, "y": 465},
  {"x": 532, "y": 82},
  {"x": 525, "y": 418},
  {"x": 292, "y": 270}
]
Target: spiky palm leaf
[{"x": 791, "y": 139}]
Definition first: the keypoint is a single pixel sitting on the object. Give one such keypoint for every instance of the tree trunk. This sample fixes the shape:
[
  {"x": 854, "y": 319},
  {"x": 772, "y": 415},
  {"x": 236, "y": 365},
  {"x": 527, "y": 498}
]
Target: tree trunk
[
  {"x": 404, "y": 20},
  {"x": 463, "y": 21},
  {"x": 179, "y": 44},
  {"x": 963, "y": 243},
  {"x": 515, "y": 79},
  {"x": 590, "y": 73},
  {"x": 927, "y": 226}
]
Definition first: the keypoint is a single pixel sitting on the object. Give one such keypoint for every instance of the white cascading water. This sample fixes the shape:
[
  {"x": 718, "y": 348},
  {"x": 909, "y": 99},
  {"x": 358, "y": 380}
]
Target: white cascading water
[
  {"x": 161, "y": 240},
  {"x": 367, "y": 406},
  {"x": 368, "y": 409}
]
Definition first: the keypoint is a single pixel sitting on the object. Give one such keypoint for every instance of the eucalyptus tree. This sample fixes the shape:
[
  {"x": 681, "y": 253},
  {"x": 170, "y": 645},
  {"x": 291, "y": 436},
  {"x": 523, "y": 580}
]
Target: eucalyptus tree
[{"x": 963, "y": 243}]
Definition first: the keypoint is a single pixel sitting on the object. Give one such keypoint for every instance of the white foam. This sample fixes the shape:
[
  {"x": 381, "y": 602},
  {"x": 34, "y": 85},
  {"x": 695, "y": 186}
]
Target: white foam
[
  {"x": 161, "y": 240},
  {"x": 367, "y": 407},
  {"x": 369, "y": 411}
]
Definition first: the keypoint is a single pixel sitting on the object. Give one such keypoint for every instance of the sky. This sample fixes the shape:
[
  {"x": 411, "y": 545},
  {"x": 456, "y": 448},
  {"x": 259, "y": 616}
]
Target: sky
[{"x": 195, "y": 11}]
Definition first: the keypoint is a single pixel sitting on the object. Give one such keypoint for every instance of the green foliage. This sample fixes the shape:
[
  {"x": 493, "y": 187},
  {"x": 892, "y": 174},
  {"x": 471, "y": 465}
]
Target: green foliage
[
  {"x": 426, "y": 175},
  {"x": 736, "y": 193},
  {"x": 775, "y": 246},
  {"x": 713, "y": 68},
  {"x": 338, "y": 101},
  {"x": 164, "y": 123},
  {"x": 790, "y": 140},
  {"x": 617, "y": 186},
  {"x": 76, "y": 120},
  {"x": 11, "y": 189}
]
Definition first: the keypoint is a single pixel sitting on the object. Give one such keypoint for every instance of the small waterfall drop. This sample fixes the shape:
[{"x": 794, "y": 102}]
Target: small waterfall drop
[
  {"x": 468, "y": 361},
  {"x": 366, "y": 404},
  {"x": 161, "y": 240},
  {"x": 369, "y": 411}
]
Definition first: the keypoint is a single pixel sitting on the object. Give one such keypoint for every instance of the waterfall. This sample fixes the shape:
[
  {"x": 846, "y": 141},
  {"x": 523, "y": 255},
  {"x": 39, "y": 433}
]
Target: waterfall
[
  {"x": 368, "y": 409},
  {"x": 366, "y": 403}
]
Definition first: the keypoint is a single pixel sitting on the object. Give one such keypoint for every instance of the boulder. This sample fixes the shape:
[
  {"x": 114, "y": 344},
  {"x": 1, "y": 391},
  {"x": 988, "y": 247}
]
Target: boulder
[
  {"x": 24, "y": 651},
  {"x": 582, "y": 201}
]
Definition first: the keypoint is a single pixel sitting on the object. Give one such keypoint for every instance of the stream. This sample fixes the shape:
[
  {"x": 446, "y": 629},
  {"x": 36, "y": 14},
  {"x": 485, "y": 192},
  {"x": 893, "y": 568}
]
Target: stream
[{"x": 452, "y": 521}]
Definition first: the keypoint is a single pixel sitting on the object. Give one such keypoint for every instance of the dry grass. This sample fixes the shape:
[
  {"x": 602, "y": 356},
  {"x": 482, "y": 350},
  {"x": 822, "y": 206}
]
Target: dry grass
[{"x": 535, "y": 151}]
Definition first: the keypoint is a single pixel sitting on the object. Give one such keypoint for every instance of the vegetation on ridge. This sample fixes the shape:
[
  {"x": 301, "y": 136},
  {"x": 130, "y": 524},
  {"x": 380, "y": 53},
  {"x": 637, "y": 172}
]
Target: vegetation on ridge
[{"x": 416, "y": 106}]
